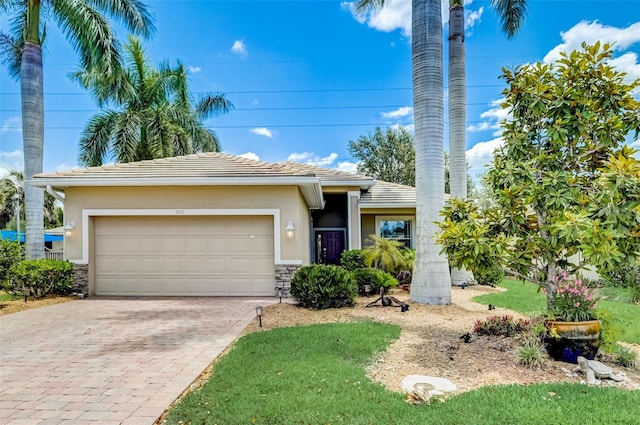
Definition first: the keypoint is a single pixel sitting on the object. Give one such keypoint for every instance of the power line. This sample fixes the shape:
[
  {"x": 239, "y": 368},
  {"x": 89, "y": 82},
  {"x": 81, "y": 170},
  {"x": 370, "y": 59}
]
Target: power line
[{"x": 378, "y": 89}]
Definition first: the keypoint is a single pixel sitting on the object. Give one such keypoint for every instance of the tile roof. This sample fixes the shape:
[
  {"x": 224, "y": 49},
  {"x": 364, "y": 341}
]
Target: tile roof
[
  {"x": 388, "y": 195},
  {"x": 221, "y": 167},
  {"x": 327, "y": 175},
  {"x": 209, "y": 164}
]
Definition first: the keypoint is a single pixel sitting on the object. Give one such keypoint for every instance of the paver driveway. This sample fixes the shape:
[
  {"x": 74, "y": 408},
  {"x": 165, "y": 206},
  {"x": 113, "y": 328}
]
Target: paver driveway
[{"x": 111, "y": 361}]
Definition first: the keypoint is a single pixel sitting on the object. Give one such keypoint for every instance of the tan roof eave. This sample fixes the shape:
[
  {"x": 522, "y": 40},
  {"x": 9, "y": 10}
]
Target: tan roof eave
[
  {"x": 363, "y": 184},
  {"x": 395, "y": 205},
  {"x": 310, "y": 187}
]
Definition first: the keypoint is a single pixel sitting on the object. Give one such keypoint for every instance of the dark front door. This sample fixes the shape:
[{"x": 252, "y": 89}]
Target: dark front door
[{"x": 329, "y": 246}]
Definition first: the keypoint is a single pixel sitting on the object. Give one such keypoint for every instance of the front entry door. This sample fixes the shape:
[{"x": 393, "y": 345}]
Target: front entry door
[{"x": 329, "y": 246}]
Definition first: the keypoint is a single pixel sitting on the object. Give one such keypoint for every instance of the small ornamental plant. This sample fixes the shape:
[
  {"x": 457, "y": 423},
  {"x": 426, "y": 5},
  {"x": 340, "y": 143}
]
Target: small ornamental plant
[{"x": 574, "y": 300}]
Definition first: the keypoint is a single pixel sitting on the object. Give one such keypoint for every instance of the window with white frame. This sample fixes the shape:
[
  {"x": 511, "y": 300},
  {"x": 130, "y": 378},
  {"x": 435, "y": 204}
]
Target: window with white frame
[{"x": 396, "y": 228}]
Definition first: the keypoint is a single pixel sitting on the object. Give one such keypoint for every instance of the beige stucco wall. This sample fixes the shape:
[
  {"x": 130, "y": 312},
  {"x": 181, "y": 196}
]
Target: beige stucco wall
[{"x": 287, "y": 199}]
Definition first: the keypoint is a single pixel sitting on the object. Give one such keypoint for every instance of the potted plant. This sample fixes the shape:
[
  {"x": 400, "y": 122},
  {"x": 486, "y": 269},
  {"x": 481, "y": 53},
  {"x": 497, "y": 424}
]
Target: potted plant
[{"x": 574, "y": 329}]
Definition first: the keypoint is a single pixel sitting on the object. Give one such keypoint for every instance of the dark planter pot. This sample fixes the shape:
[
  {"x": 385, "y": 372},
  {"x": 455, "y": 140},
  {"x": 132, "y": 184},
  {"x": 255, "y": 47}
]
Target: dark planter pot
[{"x": 567, "y": 340}]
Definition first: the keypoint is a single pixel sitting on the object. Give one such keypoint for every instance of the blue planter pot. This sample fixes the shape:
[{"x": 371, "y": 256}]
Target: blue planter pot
[{"x": 566, "y": 341}]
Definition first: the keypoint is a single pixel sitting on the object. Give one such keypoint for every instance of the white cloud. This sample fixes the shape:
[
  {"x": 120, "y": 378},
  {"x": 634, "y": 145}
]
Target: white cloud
[
  {"x": 492, "y": 119},
  {"x": 10, "y": 161},
  {"x": 66, "y": 167},
  {"x": 472, "y": 17},
  {"x": 481, "y": 154},
  {"x": 250, "y": 155},
  {"x": 410, "y": 127},
  {"x": 396, "y": 14},
  {"x": 193, "y": 69},
  {"x": 12, "y": 124},
  {"x": 627, "y": 63},
  {"x": 590, "y": 32},
  {"x": 239, "y": 48},
  {"x": 400, "y": 112},
  {"x": 310, "y": 158},
  {"x": 346, "y": 166},
  {"x": 262, "y": 131}
]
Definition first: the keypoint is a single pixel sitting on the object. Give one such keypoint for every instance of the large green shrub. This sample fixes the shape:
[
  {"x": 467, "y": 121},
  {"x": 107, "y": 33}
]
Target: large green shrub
[
  {"x": 490, "y": 276},
  {"x": 352, "y": 259},
  {"x": 320, "y": 287},
  {"x": 40, "y": 277},
  {"x": 375, "y": 279},
  {"x": 622, "y": 284},
  {"x": 11, "y": 252},
  {"x": 625, "y": 276}
]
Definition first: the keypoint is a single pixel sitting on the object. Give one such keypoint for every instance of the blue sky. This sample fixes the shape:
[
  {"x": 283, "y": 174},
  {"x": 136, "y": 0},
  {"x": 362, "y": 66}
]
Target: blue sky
[{"x": 308, "y": 76}]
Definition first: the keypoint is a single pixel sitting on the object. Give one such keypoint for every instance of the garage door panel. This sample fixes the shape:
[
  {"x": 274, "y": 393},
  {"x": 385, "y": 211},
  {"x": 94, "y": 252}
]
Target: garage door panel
[{"x": 203, "y": 256}]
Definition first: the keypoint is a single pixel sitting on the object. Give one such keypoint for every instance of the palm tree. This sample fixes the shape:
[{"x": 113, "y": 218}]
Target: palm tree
[
  {"x": 85, "y": 24},
  {"x": 12, "y": 198},
  {"x": 431, "y": 280},
  {"x": 153, "y": 115},
  {"x": 512, "y": 15},
  {"x": 457, "y": 116}
]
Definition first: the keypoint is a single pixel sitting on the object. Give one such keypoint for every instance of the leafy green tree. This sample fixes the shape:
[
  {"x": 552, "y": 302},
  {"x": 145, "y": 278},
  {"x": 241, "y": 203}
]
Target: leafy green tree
[
  {"x": 512, "y": 15},
  {"x": 566, "y": 188},
  {"x": 86, "y": 26},
  {"x": 12, "y": 194},
  {"x": 431, "y": 278},
  {"x": 154, "y": 115},
  {"x": 388, "y": 156}
]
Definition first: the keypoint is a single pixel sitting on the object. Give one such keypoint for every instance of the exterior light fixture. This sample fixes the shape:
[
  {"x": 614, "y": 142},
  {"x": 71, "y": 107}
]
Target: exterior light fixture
[
  {"x": 290, "y": 229},
  {"x": 69, "y": 227},
  {"x": 259, "y": 314}
]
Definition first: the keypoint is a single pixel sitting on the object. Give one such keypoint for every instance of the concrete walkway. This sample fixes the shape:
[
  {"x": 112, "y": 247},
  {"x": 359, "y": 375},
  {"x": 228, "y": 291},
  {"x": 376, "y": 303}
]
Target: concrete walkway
[{"x": 111, "y": 361}]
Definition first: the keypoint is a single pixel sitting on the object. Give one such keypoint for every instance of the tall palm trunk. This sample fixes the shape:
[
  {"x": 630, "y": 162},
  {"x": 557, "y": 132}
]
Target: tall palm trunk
[
  {"x": 431, "y": 280},
  {"x": 457, "y": 116},
  {"x": 31, "y": 87}
]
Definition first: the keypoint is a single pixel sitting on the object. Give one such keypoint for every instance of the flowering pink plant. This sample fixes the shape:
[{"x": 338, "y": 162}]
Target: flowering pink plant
[{"x": 574, "y": 301}]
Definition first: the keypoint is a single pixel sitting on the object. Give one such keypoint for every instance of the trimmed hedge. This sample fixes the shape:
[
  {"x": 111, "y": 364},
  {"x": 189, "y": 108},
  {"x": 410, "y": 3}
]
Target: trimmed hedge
[
  {"x": 375, "y": 278},
  {"x": 318, "y": 286},
  {"x": 40, "y": 277}
]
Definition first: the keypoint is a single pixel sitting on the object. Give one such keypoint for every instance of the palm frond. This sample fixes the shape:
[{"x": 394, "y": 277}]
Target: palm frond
[
  {"x": 11, "y": 54},
  {"x": 180, "y": 85},
  {"x": 127, "y": 139},
  {"x": 96, "y": 138},
  {"x": 212, "y": 105},
  {"x": 206, "y": 140},
  {"x": 90, "y": 35},
  {"x": 511, "y": 13},
  {"x": 363, "y": 5},
  {"x": 132, "y": 13}
]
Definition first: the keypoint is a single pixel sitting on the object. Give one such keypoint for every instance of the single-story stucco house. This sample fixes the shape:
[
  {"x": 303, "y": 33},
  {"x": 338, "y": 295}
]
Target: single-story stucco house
[{"x": 214, "y": 224}]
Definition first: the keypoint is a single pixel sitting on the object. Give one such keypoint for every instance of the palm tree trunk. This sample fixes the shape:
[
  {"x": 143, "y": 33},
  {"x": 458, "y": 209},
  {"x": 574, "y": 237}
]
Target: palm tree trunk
[
  {"x": 31, "y": 87},
  {"x": 457, "y": 117},
  {"x": 431, "y": 282}
]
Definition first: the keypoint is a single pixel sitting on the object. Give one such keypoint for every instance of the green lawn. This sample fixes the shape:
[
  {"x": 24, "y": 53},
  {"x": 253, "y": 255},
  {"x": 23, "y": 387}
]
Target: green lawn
[
  {"x": 524, "y": 298},
  {"x": 4, "y": 296},
  {"x": 316, "y": 375}
]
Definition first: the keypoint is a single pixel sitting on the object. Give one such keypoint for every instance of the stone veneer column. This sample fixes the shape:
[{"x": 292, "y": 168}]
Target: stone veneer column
[
  {"x": 284, "y": 273},
  {"x": 81, "y": 279}
]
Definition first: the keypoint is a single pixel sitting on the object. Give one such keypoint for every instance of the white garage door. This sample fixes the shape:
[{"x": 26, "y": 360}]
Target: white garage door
[{"x": 178, "y": 256}]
